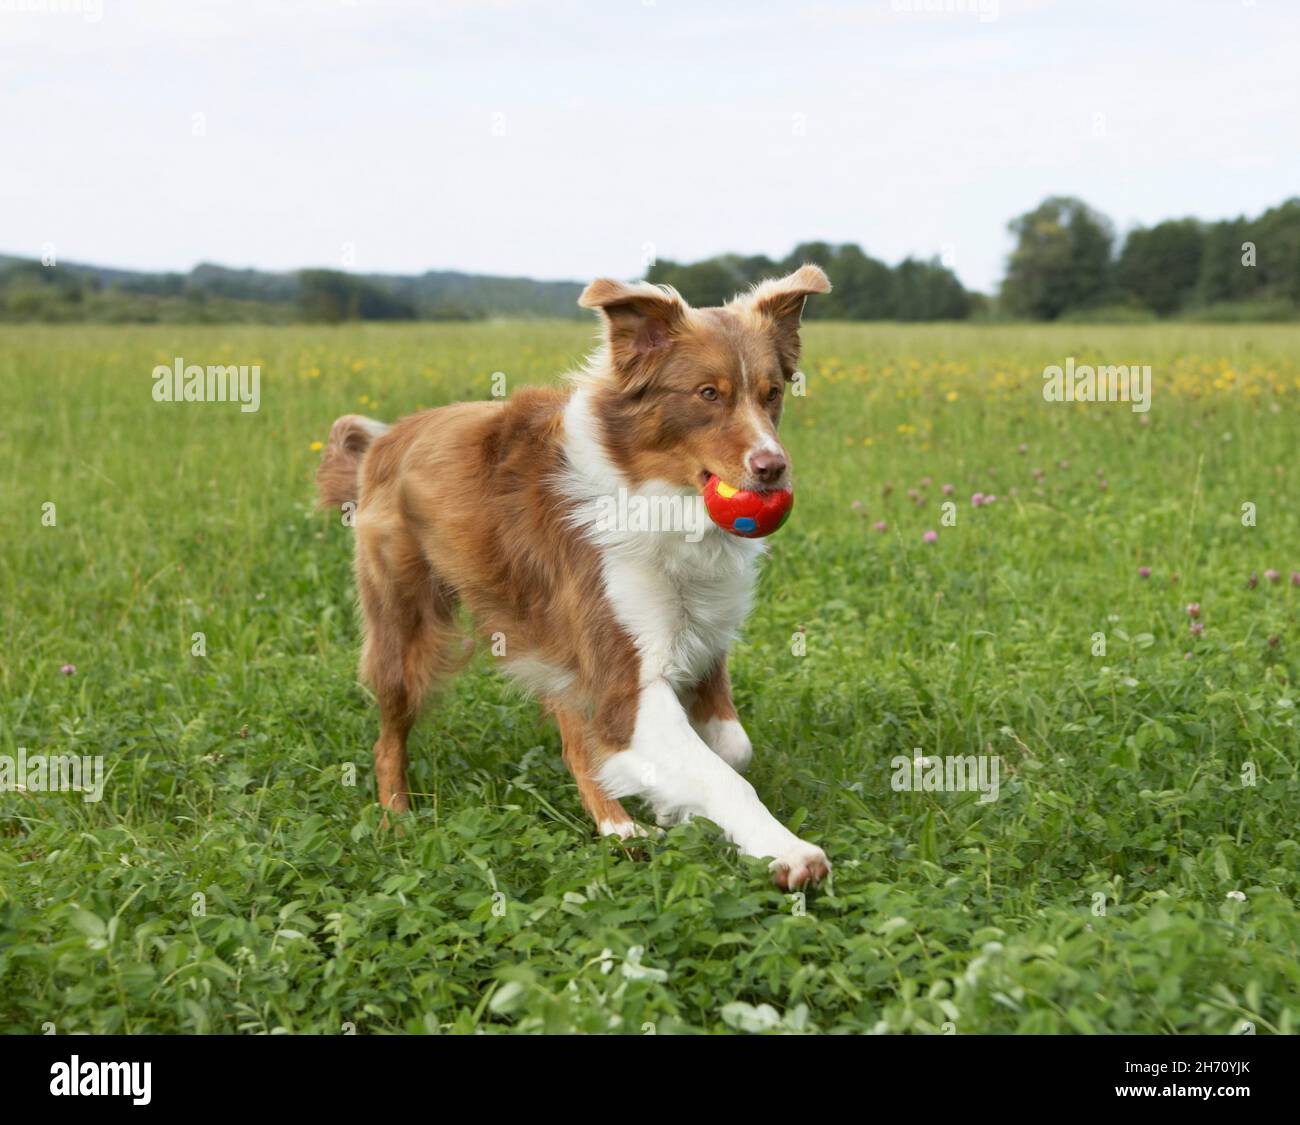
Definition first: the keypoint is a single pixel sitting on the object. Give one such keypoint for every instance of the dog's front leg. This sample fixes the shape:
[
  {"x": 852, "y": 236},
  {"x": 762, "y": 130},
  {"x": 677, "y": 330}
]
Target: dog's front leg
[
  {"x": 713, "y": 715},
  {"x": 668, "y": 764}
]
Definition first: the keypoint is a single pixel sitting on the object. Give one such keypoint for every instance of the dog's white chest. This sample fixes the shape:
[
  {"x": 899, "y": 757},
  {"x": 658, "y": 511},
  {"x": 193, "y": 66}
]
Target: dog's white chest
[
  {"x": 682, "y": 603},
  {"x": 681, "y": 593}
]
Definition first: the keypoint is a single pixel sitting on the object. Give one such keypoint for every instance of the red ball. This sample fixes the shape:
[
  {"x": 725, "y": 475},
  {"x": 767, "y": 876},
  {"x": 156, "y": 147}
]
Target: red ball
[{"x": 751, "y": 515}]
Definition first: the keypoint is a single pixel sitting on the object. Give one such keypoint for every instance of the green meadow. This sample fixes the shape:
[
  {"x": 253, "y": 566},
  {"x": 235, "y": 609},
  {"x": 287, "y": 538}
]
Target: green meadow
[{"x": 1118, "y": 629}]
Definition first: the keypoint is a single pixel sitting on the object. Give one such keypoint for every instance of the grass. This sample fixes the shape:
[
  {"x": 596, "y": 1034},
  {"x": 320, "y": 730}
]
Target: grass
[{"x": 232, "y": 880}]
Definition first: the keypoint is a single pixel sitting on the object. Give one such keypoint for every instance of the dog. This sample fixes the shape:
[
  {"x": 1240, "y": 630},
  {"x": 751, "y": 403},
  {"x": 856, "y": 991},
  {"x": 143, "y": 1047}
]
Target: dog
[{"x": 623, "y": 634}]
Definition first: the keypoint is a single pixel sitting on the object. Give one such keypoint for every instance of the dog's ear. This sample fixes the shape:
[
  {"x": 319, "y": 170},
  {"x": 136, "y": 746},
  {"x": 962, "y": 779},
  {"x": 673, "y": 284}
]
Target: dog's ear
[
  {"x": 780, "y": 302},
  {"x": 641, "y": 322}
]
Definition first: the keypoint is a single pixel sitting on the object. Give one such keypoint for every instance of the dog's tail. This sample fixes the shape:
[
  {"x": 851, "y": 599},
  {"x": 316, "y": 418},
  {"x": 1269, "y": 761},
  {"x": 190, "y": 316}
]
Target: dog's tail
[{"x": 340, "y": 465}]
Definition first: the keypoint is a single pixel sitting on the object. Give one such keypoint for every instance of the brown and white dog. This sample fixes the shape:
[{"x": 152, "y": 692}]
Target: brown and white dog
[{"x": 623, "y": 633}]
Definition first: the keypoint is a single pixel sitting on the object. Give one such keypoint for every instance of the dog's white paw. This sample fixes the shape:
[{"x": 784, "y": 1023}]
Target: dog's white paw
[
  {"x": 626, "y": 829},
  {"x": 800, "y": 865}
]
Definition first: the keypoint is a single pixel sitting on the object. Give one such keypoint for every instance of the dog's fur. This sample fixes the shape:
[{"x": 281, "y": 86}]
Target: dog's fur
[{"x": 623, "y": 634}]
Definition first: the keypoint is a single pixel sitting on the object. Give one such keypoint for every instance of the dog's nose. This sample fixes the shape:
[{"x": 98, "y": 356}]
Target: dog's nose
[{"x": 767, "y": 465}]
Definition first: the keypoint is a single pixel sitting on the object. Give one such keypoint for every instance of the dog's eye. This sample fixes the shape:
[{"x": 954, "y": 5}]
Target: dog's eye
[
  {"x": 709, "y": 394},
  {"x": 774, "y": 392}
]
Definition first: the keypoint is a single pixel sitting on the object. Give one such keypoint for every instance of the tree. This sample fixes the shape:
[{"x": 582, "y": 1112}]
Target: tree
[
  {"x": 703, "y": 284},
  {"x": 1276, "y": 234},
  {"x": 1222, "y": 275},
  {"x": 862, "y": 288},
  {"x": 929, "y": 291},
  {"x": 1160, "y": 266},
  {"x": 1062, "y": 259},
  {"x": 332, "y": 296}
]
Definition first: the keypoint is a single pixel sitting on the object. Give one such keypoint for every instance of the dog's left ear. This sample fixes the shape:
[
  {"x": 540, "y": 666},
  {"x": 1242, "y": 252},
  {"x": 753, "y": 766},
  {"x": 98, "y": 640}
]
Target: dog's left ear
[{"x": 781, "y": 302}]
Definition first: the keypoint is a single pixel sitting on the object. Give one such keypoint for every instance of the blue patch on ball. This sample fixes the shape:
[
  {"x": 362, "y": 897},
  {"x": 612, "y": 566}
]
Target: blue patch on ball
[{"x": 744, "y": 523}]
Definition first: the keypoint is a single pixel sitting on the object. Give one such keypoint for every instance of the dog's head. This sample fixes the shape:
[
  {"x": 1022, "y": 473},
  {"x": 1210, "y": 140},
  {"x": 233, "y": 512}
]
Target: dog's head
[{"x": 685, "y": 393}]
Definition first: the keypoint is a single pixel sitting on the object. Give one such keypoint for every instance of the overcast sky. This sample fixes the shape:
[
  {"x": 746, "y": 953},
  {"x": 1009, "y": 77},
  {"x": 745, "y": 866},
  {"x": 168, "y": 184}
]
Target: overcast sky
[{"x": 559, "y": 139}]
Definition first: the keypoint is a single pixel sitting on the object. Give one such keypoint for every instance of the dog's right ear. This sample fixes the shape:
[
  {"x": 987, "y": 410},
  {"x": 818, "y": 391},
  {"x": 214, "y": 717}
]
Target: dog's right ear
[{"x": 641, "y": 323}]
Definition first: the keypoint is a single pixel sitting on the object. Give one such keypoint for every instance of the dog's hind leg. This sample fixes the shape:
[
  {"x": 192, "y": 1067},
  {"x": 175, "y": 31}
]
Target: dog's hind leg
[
  {"x": 579, "y": 755},
  {"x": 410, "y": 634}
]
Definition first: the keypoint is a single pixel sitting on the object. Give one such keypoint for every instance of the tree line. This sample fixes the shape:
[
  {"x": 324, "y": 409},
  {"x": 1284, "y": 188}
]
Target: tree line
[
  {"x": 862, "y": 288},
  {"x": 1066, "y": 263},
  {"x": 71, "y": 292}
]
